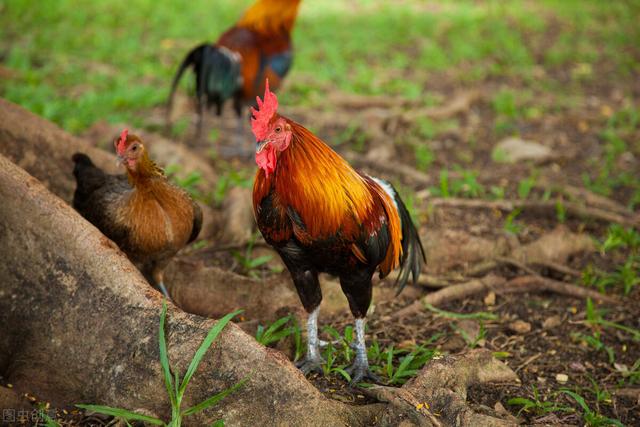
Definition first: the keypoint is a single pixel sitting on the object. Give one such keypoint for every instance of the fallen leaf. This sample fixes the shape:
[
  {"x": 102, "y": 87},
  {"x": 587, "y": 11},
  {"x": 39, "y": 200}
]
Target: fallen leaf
[
  {"x": 519, "y": 327},
  {"x": 490, "y": 299},
  {"x": 551, "y": 322}
]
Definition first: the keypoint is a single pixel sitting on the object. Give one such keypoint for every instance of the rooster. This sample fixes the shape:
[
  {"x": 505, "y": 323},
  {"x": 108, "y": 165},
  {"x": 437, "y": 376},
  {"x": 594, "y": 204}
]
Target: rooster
[
  {"x": 321, "y": 215},
  {"x": 235, "y": 67},
  {"x": 149, "y": 218}
]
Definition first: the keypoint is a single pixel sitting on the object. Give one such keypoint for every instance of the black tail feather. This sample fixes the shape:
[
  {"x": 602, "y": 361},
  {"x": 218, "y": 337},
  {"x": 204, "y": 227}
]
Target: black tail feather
[
  {"x": 89, "y": 177},
  {"x": 193, "y": 59},
  {"x": 81, "y": 161},
  {"x": 413, "y": 257},
  {"x": 218, "y": 77}
]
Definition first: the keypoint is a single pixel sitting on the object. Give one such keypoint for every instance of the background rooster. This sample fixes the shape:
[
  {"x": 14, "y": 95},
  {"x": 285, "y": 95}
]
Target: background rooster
[
  {"x": 149, "y": 218},
  {"x": 321, "y": 215},
  {"x": 235, "y": 67}
]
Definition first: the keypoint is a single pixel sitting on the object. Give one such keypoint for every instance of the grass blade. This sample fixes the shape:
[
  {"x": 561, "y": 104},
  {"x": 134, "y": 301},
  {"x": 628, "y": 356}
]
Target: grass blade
[
  {"x": 214, "y": 399},
  {"x": 121, "y": 413},
  {"x": 390, "y": 362},
  {"x": 344, "y": 373},
  {"x": 211, "y": 336},
  {"x": 277, "y": 324},
  {"x": 164, "y": 357},
  {"x": 579, "y": 400}
]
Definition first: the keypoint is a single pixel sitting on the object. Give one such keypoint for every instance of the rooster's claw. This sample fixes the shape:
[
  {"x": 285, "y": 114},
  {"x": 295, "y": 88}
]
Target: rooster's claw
[
  {"x": 360, "y": 372},
  {"x": 308, "y": 365}
]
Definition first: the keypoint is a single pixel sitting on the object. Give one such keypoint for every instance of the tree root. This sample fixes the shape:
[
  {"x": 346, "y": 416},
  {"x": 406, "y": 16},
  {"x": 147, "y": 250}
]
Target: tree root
[
  {"x": 540, "y": 284},
  {"x": 543, "y": 207},
  {"x": 531, "y": 283},
  {"x": 484, "y": 267},
  {"x": 441, "y": 384},
  {"x": 584, "y": 195}
]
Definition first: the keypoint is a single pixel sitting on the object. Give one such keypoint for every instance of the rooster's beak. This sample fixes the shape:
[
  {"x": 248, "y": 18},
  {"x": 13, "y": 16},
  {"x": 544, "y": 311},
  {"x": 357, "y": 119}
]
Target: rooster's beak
[{"x": 261, "y": 144}]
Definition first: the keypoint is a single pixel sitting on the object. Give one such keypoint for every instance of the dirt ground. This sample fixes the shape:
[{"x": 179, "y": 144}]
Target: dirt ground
[{"x": 539, "y": 334}]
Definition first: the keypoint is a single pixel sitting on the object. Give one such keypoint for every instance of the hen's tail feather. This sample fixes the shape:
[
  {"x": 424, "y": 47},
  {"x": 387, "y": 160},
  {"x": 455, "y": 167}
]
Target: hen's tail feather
[
  {"x": 88, "y": 176},
  {"x": 82, "y": 161},
  {"x": 413, "y": 257}
]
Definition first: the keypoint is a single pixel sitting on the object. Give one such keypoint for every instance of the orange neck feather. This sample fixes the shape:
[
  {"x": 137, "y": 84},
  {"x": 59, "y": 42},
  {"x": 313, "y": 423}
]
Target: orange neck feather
[
  {"x": 146, "y": 170},
  {"x": 314, "y": 180},
  {"x": 329, "y": 195},
  {"x": 270, "y": 16}
]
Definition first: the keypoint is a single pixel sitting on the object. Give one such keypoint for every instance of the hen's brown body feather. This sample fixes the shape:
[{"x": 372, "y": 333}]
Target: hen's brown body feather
[{"x": 149, "y": 218}]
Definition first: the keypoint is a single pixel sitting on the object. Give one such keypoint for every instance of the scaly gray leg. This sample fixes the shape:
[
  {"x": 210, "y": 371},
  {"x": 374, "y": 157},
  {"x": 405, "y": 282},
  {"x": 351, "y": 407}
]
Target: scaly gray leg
[
  {"x": 312, "y": 361},
  {"x": 360, "y": 369}
]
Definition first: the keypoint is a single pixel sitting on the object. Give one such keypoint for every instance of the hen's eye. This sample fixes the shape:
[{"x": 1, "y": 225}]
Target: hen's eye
[
  {"x": 278, "y": 129},
  {"x": 134, "y": 147}
]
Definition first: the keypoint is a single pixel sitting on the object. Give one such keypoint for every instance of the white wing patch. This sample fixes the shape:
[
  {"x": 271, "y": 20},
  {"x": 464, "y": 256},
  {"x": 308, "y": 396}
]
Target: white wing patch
[{"x": 387, "y": 189}]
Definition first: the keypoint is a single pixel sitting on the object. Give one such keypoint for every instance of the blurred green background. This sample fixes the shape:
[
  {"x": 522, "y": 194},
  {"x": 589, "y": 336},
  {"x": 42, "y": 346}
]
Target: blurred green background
[{"x": 79, "y": 61}]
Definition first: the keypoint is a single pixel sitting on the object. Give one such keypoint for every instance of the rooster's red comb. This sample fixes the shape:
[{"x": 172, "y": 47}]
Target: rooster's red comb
[
  {"x": 120, "y": 146},
  {"x": 261, "y": 117}
]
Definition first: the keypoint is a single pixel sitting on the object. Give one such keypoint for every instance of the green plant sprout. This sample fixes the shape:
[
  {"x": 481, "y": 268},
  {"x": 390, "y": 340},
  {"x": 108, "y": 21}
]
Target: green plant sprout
[{"x": 176, "y": 388}]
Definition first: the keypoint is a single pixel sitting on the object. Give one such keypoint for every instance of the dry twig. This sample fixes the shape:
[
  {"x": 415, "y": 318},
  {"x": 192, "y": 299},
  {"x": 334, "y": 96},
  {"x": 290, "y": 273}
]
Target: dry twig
[
  {"x": 395, "y": 168},
  {"x": 484, "y": 267},
  {"x": 545, "y": 207},
  {"x": 582, "y": 194},
  {"x": 522, "y": 284}
]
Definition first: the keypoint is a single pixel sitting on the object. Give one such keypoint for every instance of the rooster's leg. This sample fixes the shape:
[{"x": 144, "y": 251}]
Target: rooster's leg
[
  {"x": 242, "y": 145},
  {"x": 312, "y": 362},
  {"x": 360, "y": 369},
  {"x": 357, "y": 288},
  {"x": 305, "y": 278},
  {"x": 200, "y": 118}
]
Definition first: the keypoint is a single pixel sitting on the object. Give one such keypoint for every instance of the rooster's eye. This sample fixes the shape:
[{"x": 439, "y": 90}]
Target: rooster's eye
[{"x": 278, "y": 129}]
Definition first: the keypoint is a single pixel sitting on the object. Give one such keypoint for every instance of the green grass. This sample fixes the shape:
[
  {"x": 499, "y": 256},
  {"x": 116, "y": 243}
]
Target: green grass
[
  {"x": 175, "y": 387},
  {"x": 625, "y": 275},
  {"x": 280, "y": 329},
  {"x": 465, "y": 184},
  {"x": 536, "y": 404},
  {"x": 248, "y": 263},
  {"x": 79, "y": 61},
  {"x": 590, "y": 417}
]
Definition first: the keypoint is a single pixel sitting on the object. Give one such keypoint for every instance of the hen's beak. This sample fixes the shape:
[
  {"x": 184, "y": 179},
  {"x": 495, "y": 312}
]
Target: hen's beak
[{"x": 261, "y": 144}]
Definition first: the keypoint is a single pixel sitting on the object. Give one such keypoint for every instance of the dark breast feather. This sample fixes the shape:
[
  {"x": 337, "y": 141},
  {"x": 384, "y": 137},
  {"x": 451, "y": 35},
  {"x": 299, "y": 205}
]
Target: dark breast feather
[{"x": 273, "y": 223}]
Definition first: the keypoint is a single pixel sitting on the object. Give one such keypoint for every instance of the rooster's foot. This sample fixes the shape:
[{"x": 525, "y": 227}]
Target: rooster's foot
[
  {"x": 360, "y": 372},
  {"x": 310, "y": 364}
]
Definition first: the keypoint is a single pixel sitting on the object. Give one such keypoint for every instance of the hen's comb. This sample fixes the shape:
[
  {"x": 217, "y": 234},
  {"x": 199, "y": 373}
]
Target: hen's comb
[
  {"x": 264, "y": 113},
  {"x": 122, "y": 141}
]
